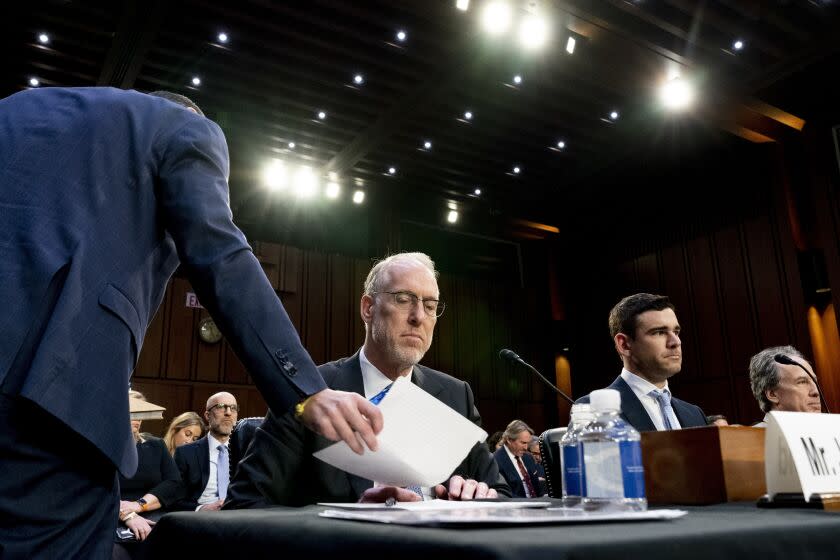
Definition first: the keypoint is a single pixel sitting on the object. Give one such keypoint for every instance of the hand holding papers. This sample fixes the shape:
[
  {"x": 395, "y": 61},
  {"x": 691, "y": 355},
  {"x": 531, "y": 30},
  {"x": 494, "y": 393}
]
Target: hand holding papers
[{"x": 423, "y": 441}]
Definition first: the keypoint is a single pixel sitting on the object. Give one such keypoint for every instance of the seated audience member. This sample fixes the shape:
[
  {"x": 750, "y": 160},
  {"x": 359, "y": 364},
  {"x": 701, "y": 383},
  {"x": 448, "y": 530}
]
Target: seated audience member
[
  {"x": 717, "y": 420},
  {"x": 400, "y": 307},
  {"x": 783, "y": 387},
  {"x": 646, "y": 334},
  {"x": 518, "y": 468},
  {"x": 205, "y": 464},
  {"x": 536, "y": 453},
  {"x": 494, "y": 441},
  {"x": 185, "y": 428},
  {"x": 155, "y": 486}
]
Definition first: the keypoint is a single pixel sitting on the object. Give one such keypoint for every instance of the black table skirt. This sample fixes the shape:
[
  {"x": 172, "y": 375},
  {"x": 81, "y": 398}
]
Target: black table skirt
[{"x": 737, "y": 530}]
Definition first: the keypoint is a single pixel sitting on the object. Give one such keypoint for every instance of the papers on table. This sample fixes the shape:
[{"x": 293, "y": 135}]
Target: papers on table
[
  {"x": 422, "y": 442},
  {"x": 499, "y": 516},
  {"x": 441, "y": 505}
]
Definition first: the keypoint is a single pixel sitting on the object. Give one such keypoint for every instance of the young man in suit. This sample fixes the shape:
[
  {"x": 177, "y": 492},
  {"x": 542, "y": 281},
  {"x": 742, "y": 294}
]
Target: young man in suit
[
  {"x": 646, "y": 334},
  {"x": 399, "y": 308},
  {"x": 104, "y": 193},
  {"x": 205, "y": 464},
  {"x": 519, "y": 469}
]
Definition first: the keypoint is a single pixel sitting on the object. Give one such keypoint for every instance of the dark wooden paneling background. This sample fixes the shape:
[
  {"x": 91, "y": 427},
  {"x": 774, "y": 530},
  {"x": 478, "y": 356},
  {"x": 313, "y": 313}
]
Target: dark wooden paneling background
[{"x": 321, "y": 293}]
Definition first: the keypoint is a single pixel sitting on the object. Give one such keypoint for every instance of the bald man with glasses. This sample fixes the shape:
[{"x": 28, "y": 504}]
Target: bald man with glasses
[{"x": 400, "y": 308}]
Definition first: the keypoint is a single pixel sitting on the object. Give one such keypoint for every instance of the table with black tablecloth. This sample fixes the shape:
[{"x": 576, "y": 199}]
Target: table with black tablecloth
[{"x": 735, "y": 530}]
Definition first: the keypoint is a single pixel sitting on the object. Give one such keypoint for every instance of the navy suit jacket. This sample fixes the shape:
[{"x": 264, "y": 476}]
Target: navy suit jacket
[
  {"x": 511, "y": 473},
  {"x": 103, "y": 192},
  {"x": 279, "y": 468},
  {"x": 193, "y": 460},
  {"x": 634, "y": 413}
]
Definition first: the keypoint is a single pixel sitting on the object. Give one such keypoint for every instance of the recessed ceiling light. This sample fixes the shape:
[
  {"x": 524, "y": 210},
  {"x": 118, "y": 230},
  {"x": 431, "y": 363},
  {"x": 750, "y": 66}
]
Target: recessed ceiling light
[
  {"x": 359, "y": 197},
  {"x": 358, "y": 79},
  {"x": 43, "y": 38},
  {"x": 196, "y": 81},
  {"x": 738, "y": 45},
  {"x": 401, "y": 35},
  {"x": 468, "y": 115},
  {"x": 533, "y": 32},
  {"x": 291, "y": 145},
  {"x": 34, "y": 82},
  {"x": 676, "y": 94},
  {"x": 496, "y": 18},
  {"x": 517, "y": 79},
  {"x": 614, "y": 115},
  {"x": 392, "y": 170},
  {"x": 275, "y": 175},
  {"x": 305, "y": 182},
  {"x": 561, "y": 144},
  {"x": 516, "y": 170},
  {"x": 570, "y": 45},
  {"x": 427, "y": 145},
  {"x": 462, "y": 5},
  {"x": 452, "y": 216},
  {"x": 322, "y": 115},
  {"x": 477, "y": 192},
  {"x": 333, "y": 190},
  {"x": 223, "y": 38}
]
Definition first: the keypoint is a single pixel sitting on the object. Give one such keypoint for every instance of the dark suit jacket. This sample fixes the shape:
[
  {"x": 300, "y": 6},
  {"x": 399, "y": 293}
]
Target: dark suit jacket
[
  {"x": 193, "y": 460},
  {"x": 511, "y": 473},
  {"x": 634, "y": 413},
  {"x": 156, "y": 474},
  {"x": 279, "y": 468},
  {"x": 104, "y": 193}
]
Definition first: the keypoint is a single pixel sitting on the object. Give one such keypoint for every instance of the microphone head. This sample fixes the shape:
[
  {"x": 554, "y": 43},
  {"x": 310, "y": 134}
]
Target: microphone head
[
  {"x": 507, "y": 354},
  {"x": 783, "y": 359}
]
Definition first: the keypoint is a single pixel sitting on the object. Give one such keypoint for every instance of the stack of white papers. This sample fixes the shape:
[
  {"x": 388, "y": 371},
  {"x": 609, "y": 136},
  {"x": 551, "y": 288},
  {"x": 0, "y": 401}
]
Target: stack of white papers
[{"x": 422, "y": 442}]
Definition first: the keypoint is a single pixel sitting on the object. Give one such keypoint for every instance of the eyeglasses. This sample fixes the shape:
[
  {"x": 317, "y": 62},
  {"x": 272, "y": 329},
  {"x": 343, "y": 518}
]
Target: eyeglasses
[
  {"x": 223, "y": 408},
  {"x": 406, "y": 301}
]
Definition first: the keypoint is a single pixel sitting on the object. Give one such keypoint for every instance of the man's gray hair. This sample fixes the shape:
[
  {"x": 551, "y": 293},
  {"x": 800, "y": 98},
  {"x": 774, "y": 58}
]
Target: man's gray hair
[
  {"x": 515, "y": 428},
  {"x": 375, "y": 278},
  {"x": 764, "y": 372}
]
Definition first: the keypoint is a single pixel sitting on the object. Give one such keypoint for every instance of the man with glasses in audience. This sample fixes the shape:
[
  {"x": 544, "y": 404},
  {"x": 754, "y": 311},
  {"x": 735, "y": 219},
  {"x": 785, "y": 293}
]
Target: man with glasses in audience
[
  {"x": 205, "y": 464},
  {"x": 400, "y": 308}
]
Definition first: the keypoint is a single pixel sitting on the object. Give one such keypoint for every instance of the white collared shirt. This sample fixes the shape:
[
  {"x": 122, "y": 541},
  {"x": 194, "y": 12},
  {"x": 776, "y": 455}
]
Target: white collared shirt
[
  {"x": 642, "y": 388},
  {"x": 374, "y": 379},
  {"x": 516, "y": 468},
  {"x": 211, "y": 491}
]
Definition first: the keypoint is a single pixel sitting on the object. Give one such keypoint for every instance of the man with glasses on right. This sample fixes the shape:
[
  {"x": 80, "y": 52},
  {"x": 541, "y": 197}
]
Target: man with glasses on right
[
  {"x": 205, "y": 464},
  {"x": 400, "y": 308}
]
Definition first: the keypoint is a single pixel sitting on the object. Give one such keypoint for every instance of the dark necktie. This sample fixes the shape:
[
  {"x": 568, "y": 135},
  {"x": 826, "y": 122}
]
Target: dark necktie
[{"x": 526, "y": 479}]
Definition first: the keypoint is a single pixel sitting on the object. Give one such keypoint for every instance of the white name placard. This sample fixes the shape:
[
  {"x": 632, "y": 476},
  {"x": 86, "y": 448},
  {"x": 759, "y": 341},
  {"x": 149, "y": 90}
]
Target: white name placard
[{"x": 802, "y": 453}]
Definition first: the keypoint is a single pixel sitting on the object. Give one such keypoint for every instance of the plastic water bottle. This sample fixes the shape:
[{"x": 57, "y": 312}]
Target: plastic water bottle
[
  {"x": 570, "y": 449},
  {"x": 613, "y": 476}
]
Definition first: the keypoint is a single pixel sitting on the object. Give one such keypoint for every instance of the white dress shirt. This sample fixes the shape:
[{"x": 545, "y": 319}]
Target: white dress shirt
[
  {"x": 211, "y": 491},
  {"x": 516, "y": 468},
  {"x": 642, "y": 388},
  {"x": 374, "y": 379}
]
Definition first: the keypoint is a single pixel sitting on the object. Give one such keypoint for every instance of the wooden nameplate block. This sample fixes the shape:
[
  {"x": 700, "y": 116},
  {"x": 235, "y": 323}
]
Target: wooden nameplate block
[{"x": 705, "y": 465}]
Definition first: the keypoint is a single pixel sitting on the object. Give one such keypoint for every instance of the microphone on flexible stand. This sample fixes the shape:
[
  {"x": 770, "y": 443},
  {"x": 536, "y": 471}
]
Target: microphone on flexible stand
[
  {"x": 512, "y": 356},
  {"x": 787, "y": 360}
]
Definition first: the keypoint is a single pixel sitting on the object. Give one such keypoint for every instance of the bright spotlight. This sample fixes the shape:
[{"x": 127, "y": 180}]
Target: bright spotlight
[
  {"x": 333, "y": 190},
  {"x": 738, "y": 45},
  {"x": 533, "y": 32},
  {"x": 43, "y": 38},
  {"x": 468, "y": 115},
  {"x": 305, "y": 182},
  {"x": 358, "y": 197},
  {"x": 392, "y": 170},
  {"x": 516, "y": 170},
  {"x": 570, "y": 45},
  {"x": 462, "y": 5},
  {"x": 614, "y": 115},
  {"x": 34, "y": 82},
  {"x": 223, "y": 38},
  {"x": 561, "y": 144},
  {"x": 676, "y": 94},
  {"x": 358, "y": 79},
  {"x": 477, "y": 192},
  {"x": 517, "y": 79},
  {"x": 400, "y": 35},
  {"x": 276, "y": 176},
  {"x": 496, "y": 18},
  {"x": 292, "y": 145},
  {"x": 322, "y": 115},
  {"x": 452, "y": 217},
  {"x": 196, "y": 81}
]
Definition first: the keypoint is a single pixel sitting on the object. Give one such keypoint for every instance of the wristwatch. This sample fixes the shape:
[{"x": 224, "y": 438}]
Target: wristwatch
[{"x": 143, "y": 504}]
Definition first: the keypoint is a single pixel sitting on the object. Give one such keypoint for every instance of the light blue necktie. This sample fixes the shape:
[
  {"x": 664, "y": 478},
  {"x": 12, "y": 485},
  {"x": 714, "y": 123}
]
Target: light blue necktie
[
  {"x": 664, "y": 399},
  {"x": 223, "y": 472},
  {"x": 375, "y": 399}
]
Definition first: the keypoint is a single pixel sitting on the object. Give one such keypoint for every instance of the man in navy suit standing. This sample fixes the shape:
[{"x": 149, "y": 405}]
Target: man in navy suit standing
[
  {"x": 646, "y": 334},
  {"x": 103, "y": 193},
  {"x": 518, "y": 468}
]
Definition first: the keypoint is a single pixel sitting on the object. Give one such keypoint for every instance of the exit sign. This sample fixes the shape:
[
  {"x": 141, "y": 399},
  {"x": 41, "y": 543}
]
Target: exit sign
[{"x": 192, "y": 301}]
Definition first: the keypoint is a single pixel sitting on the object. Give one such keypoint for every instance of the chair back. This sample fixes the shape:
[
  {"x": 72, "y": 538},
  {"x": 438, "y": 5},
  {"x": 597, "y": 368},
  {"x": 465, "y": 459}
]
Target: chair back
[
  {"x": 240, "y": 438},
  {"x": 552, "y": 460}
]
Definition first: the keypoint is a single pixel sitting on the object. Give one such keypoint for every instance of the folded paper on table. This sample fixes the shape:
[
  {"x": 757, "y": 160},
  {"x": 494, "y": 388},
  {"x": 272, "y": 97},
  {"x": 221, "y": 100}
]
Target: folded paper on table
[
  {"x": 439, "y": 505},
  {"x": 422, "y": 442}
]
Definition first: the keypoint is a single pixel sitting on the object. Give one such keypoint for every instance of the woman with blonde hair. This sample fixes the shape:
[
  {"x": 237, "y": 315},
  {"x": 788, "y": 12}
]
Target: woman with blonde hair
[{"x": 185, "y": 428}]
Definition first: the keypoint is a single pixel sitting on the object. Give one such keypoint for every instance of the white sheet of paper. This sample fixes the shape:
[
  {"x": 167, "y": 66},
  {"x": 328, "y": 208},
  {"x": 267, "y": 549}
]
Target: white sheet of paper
[
  {"x": 422, "y": 442},
  {"x": 441, "y": 505},
  {"x": 521, "y": 516}
]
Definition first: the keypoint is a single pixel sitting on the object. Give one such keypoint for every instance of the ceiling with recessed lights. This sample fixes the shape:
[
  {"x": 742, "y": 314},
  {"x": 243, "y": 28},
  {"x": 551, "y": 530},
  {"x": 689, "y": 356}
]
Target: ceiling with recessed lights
[{"x": 353, "y": 101}]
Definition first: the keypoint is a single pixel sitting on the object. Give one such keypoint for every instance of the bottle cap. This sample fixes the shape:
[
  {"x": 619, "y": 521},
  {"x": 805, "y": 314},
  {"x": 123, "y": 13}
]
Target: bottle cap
[
  {"x": 605, "y": 399},
  {"x": 581, "y": 407}
]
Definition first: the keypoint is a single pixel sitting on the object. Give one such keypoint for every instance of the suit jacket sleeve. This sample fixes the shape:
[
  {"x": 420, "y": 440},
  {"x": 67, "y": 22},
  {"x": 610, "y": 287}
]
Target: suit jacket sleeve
[
  {"x": 188, "y": 498},
  {"x": 193, "y": 194}
]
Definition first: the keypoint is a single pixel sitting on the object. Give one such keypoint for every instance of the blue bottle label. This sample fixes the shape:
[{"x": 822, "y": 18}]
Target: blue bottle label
[
  {"x": 632, "y": 470},
  {"x": 572, "y": 473}
]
